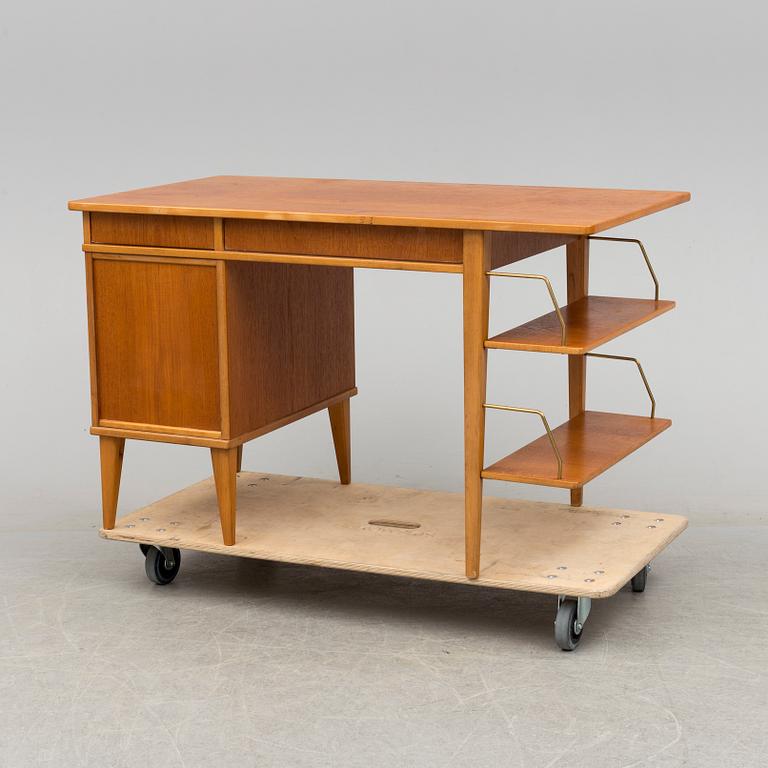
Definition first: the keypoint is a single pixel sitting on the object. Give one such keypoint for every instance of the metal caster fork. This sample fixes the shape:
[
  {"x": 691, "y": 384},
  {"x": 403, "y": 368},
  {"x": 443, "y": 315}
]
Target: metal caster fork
[{"x": 572, "y": 613}]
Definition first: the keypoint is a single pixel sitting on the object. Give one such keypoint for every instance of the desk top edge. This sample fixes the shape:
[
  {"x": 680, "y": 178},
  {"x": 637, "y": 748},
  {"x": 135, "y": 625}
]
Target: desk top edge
[{"x": 565, "y": 210}]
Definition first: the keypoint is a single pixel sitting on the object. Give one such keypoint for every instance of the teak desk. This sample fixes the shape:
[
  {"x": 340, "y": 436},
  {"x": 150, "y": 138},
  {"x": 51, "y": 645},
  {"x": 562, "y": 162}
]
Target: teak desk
[{"x": 222, "y": 308}]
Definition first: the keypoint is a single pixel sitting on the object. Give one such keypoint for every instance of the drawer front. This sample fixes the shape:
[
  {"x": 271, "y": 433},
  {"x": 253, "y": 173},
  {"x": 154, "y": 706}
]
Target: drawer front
[
  {"x": 352, "y": 240},
  {"x": 157, "y": 231},
  {"x": 155, "y": 344}
]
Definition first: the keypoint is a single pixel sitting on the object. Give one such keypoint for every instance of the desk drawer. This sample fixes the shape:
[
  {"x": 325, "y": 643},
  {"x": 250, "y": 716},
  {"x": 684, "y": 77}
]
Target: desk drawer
[
  {"x": 365, "y": 241},
  {"x": 147, "y": 230}
]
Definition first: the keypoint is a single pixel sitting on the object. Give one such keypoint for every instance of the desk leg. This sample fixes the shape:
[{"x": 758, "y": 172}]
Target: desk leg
[
  {"x": 339, "y": 416},
  {"x": 577, "y": 258},
  {"x": 111, "y": 453},
  {"x": 240, "y": 458},
  {"x": 476, "y": 288},
  {"x": 225, "y": 476}
]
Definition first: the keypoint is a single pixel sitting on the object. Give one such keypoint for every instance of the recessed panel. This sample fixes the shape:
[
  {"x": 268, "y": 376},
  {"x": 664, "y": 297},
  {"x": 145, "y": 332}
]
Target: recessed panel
[{"x": 156, "y": 343}]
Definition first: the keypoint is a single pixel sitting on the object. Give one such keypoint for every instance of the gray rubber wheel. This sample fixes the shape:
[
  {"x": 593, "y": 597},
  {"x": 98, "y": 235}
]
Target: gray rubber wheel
[
  {"x": 639, "y": 580},
  {"x": 565, "y": 626},
  {"x": 144, "y": 549},
  {"x": 157, "y": 569}
]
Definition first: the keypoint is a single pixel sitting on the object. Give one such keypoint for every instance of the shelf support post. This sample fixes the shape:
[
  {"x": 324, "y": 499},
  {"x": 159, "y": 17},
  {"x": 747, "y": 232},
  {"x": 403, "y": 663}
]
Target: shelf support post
[
  {"x": 577, "y": 265},
  {"x": 476, "y": 258}
]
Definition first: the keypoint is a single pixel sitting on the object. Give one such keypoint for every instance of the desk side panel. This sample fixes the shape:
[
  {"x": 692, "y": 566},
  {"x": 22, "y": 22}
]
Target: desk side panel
[
  {"x": 290, "y": 331},
  {"x": 509, "y": 247},
  {"x": 156, "y": 347}
]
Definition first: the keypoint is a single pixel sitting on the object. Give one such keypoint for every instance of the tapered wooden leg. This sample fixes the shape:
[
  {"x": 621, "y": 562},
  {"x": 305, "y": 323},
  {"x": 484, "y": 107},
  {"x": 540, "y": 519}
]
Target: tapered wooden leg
[
  {"x": 577, "y": 258},
  {"x": 339, "y": 416},
  {"x": 225, "y": 476},
  {"x": 111, "y": 453},
  {"x": 240, "y": 458},
  {"x": 476, "y": 264}
]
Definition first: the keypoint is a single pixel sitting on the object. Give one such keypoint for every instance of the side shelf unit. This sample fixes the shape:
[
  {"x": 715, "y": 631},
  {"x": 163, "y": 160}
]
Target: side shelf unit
[{"x": 590, "y": 442}]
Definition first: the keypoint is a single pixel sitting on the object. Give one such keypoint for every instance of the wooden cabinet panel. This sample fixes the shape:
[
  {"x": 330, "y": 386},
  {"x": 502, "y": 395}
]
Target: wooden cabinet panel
[
  {"x": 509, "y": 247},
  {"x": 155, "y": 343},
  {"x": 158, "y": 231},
  {"x": 353, "y": 240},
  {"x": 290, "y": 331}
]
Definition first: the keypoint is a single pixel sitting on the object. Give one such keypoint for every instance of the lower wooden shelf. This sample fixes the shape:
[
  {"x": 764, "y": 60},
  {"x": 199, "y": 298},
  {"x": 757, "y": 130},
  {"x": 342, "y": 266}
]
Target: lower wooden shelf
[
  {"x": 529, "y": 546},
  {"x": 589, "y": 444},
  {"x": 589, "y": 322}
]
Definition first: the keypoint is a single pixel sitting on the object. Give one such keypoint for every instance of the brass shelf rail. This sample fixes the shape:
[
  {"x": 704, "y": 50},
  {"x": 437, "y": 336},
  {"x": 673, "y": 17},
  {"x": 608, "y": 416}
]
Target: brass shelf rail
[
  {"x": 545, "y": 279},
  {"x": 546, "y": 427},
  {"x": 643, "y": 251},
  {"x": 639, "y": 368}
]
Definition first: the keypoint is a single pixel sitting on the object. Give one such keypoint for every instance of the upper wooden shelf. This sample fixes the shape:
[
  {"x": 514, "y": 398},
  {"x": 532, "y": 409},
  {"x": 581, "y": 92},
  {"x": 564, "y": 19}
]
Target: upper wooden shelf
[
  {"x": 589, "y": 322},
  {"x": 589, "y": 444},
  {"x": 567, "y": 210}
]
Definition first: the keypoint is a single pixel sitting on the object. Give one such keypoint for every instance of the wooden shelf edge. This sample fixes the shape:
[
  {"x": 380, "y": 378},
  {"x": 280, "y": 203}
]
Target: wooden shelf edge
[
  {"x": 589, "y": 444},
  {"x": 593, "y": 321}
]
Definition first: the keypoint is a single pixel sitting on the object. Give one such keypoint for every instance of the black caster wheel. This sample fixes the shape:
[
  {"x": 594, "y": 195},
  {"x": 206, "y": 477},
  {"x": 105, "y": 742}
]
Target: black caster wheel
[
  {"x": 566, "y": 636},
  {"x": 639, "y": 580},
  {"x": 144, "y": 549},
  {"x": 162, "y": 567}
]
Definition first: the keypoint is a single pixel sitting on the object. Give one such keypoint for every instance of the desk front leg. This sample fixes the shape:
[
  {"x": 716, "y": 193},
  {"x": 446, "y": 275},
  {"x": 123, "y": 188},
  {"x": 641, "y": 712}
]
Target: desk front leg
[
  {"x": 476, "y": 293},
  {"x": 111, "y": 454},
  {"x": 225, "y": 469}
]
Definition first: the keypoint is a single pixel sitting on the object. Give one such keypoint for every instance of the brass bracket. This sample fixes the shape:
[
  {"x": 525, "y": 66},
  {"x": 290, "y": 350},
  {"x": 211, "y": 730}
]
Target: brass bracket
[
  {"x": 643, "y": 251},
  {"x": 549, "y": 288},
  {"x": 546, "y": 426},
  {"x": 639, "y": 368}
]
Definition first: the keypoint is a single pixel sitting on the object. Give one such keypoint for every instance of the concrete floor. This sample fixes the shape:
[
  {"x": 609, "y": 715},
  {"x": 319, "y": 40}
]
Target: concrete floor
[{"x": 243, "y": 663}]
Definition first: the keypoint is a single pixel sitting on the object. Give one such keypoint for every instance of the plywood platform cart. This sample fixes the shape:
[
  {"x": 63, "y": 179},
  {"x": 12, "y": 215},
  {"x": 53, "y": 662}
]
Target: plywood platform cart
[{"x": 221, "y": 309}]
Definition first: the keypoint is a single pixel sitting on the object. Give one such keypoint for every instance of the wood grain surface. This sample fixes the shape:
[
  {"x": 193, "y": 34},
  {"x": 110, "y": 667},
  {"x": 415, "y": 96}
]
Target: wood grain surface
[
  {"x": 349, "y": 240},
  {"x": 290, "y": 331},
  {"x": 589, "y": 443},
  {"x": 589, "y": 322},
  {"x": 159, "y": 231},
  {"x": 568, "y": 210},
  {"x": 156, "y": 346}
]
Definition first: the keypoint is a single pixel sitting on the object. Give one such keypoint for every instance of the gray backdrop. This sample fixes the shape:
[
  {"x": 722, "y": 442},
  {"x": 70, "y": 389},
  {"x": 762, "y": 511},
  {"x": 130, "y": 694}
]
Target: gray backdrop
[{"x": 100, "y": 96}]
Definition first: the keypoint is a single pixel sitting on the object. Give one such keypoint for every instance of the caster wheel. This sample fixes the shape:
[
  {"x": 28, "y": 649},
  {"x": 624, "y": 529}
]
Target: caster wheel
[
  {"x": 157, "y": 568},
  {"x": 639, "y": 580},
  {"x": 566, "y": 636},
  {"x": 144, "y": 549}
]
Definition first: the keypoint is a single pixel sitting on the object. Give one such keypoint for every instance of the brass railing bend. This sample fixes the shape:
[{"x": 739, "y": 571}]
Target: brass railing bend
[
  {"x": 639, "y": 368},
  {"x": 552, "y": 296},
  {"x": 643, "y": 251},
  {"x": 546, "y": 426}
]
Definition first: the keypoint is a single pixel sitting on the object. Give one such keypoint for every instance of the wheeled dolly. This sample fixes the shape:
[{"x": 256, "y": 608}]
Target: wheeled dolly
[{"x": 575, "y": 554}]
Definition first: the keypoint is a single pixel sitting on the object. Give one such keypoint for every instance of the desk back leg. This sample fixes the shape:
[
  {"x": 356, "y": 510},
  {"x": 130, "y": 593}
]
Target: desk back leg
[
  {"x": 225, "y": 476},
  {"x": 577, "y": 258},
  {"x": 111, "y": 453},
  {"x": 339, "y": 416},
  {"x": 476, "y": 295}
]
